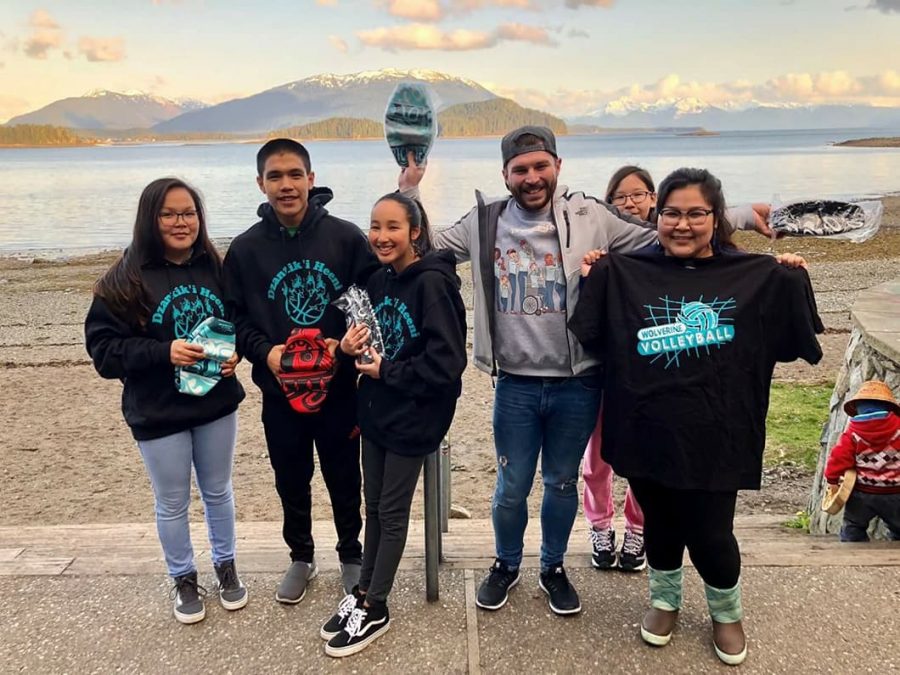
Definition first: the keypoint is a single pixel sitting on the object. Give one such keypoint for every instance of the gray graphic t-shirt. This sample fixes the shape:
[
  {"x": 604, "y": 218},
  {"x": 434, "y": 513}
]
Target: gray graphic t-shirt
[{"x": 530, "y": 292}]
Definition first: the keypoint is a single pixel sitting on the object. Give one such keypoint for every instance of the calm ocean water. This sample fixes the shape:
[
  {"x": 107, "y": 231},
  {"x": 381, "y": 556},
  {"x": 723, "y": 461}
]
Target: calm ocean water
[{"x": 69, "y": 199}]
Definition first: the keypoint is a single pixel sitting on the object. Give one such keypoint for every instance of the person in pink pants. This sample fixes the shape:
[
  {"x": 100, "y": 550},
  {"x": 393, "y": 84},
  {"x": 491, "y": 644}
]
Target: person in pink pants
[
  {"x": 599, "y": 509},
  {"x": 632, "y": 191}
]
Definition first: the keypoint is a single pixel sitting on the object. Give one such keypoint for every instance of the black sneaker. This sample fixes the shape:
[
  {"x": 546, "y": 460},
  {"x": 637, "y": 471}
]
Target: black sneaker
[
  {"x": 336, "y": 624},
  {"x": 232, "y": 593},
  {"x": 603, "y": 543},
  {"x": 494, "y": 590},
  {"x": 563, "y": 597},
  {"x": 188, "y": 596},
  {"x": 632, "y": 557},
  {"x": 363, "y": 627}
]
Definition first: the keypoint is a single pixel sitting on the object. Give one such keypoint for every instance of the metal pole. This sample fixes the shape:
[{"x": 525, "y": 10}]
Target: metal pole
[
  {"x": 445, "y": 484},
  {"x": 432, "y": 527}
]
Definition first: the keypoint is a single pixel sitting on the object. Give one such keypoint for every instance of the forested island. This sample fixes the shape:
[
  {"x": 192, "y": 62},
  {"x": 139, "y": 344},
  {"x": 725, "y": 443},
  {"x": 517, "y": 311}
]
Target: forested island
[
  {"x": 30, "y": 135},
  {"x": 880, "y": 142}
]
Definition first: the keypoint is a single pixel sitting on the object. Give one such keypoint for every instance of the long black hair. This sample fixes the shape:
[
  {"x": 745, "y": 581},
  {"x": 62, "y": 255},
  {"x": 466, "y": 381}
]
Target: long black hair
[
  {"x": 417, "y": 217},
  {"x": 121, "y": 287},
  {"x": 711, "y": 189}
]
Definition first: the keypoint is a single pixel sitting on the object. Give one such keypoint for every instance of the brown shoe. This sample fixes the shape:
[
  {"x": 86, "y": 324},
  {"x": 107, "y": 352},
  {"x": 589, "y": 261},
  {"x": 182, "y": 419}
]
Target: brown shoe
[
  {"x": 657, "y": 626},
  {"x": 730, "y": 642}
]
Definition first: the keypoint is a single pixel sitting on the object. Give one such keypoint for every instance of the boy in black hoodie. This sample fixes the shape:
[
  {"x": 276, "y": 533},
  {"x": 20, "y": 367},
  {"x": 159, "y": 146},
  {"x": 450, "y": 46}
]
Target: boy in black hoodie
[
  {"x": 283, "y": 273},
  {"x": 406, "y": 401}
]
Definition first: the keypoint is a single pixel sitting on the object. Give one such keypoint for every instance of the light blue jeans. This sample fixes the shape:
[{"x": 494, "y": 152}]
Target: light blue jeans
[
  {"x": 552, "y": 417},
  {"x": 210, "y": 449}
]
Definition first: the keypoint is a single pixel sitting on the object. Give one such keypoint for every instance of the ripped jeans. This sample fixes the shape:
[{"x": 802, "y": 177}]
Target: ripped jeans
[{"x": 548, "y": 416}]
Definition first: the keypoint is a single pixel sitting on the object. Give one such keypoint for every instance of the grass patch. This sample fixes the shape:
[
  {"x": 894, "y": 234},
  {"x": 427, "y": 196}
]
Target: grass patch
[
  {"x": 800, "y": 521},
  {"x": 797, "y": 413}
]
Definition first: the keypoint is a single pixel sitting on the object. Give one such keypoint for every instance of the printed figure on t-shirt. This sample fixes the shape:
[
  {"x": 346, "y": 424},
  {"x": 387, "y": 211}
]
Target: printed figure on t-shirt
[
  {"x": 550, "y": 270},
  {"x": 513, "y": 272},
  {"x": 498, "y": 265},
  {"x": 525, "y": 256},
  {"x": 504, "y": 292}
]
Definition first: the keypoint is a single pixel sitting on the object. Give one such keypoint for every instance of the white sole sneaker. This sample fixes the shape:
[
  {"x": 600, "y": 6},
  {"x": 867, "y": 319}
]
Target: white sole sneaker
[
  {"x": 340, "y": 652},
  {"x": 611, "y": 565},
  {"x": 731, "y": 659},
  {"x": 188, "y": 619},
  {"x": 654, "y": 639},
  {"x": 235, "y": 604},
  {"x": 556, "y": 610},
  {"x": 492, "y": 608},
  {"x": 639, "y": 568},
  {"x": 313, "y": 573}
]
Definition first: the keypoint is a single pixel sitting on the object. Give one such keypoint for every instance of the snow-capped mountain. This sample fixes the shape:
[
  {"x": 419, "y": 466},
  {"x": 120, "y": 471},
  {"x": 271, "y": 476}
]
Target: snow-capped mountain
[
  {"x": 103, "y": 109},
  {"x": 363, "y": 94},
  {"x": 753, "y": 115}
]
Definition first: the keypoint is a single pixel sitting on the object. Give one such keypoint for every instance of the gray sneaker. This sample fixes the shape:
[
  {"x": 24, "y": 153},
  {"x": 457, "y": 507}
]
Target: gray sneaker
[
  {"x": 188, "y": 597},
  {"x": 293, "y": 585},
  {"x": 350, "y": 575},
  {"x": 232, "y": 593}
]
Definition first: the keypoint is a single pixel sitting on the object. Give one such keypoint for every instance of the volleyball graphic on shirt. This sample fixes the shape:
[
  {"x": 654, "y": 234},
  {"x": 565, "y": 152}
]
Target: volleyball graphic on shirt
[
  {"x": 682, "y": 328},
  {"x": 698, "y": 316}
]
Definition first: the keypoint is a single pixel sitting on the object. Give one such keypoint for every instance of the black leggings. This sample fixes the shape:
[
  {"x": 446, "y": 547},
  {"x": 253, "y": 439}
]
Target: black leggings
[
  {"x": 389, "y": 481},
  {"x": 698, "y": 520}
]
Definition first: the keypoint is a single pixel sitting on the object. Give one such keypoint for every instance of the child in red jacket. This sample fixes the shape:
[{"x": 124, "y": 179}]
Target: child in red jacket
[{"x": 871, "y": 445}]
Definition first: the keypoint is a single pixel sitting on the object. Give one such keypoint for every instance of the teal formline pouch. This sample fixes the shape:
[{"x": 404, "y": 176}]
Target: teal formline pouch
[
  {"x": 217, "y": 337},
  {"x": 410, "y": 122}
]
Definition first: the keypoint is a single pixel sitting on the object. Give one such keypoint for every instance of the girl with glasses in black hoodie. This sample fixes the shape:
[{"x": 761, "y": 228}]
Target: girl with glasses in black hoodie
[{"x": 167, "y": 281}]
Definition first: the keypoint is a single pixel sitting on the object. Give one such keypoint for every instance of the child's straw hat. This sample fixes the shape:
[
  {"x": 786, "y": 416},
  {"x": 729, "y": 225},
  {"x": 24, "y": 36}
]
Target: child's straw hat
[{"x": 873, "y": 390}]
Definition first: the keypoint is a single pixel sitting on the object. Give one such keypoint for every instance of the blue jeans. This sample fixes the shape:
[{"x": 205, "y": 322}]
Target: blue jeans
[
  {"x": 553, "y": 417},
  {"x": 210, "y": 449}
]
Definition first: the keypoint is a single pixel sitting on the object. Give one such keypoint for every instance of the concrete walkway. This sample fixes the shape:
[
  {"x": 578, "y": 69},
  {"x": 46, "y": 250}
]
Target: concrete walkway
[{"x": 92, "y": 598}]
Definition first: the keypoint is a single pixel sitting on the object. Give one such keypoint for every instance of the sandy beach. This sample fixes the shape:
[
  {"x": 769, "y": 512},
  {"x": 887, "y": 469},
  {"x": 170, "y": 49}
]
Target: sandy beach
[{"x": 68, "y": 457}]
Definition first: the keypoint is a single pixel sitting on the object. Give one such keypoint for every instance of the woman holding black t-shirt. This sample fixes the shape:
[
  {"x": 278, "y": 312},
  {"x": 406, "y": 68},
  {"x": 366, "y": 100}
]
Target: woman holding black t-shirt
[{"x": 691, "y": 329}]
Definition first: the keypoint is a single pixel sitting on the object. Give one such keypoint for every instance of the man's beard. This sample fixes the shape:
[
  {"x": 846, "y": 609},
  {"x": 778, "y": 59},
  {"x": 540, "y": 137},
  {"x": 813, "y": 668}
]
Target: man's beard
[{"x": 519, "y": 195}]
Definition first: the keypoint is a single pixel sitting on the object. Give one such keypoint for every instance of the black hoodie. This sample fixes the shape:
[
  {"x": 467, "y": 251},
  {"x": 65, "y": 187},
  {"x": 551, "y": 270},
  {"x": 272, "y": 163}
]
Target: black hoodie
[
  {"x": 408, "y": 410},
  {"x": 275, "y": 282},
  {"x": 182, "y": 296}
]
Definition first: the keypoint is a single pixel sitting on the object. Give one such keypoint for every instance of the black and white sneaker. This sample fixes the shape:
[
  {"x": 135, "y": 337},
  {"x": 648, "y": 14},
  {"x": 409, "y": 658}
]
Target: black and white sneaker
[
  {"x": 562, "y": 594},
  {"x": 336, "y": 623},
  {"x": 494, "y": 590},
  {"x": 363, "y": 627},
  {"x": 603, "y": 543},
  {"x": 188, "y": 596},
  {"x": 232, "y": 593},
  {"x": 632, "y": 558}
]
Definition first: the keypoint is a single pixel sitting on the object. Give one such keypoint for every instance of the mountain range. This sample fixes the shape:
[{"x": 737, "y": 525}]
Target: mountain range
[
  {"x": 101, "y": 109},
  {"x": 364, "y": 95},
  {"x": 693, "y": 112}
]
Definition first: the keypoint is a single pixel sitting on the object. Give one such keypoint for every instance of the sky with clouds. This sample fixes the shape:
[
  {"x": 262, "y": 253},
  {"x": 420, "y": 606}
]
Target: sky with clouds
[{"x": 565, "y": 56}]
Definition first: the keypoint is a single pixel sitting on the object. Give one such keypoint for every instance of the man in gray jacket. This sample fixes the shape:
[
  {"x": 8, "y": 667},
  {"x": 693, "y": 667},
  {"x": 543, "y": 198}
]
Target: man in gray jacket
[{"x": 548, "y": 388}]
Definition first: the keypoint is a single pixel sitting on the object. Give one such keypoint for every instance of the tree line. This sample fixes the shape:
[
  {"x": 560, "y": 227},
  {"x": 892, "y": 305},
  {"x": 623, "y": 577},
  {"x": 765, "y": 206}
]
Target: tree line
[{"x": 39, "y": 134}]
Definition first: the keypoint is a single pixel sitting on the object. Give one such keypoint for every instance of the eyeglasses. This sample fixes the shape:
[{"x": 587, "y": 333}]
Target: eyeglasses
[
  {"x": 672, "y": 217},
  {"x": 635, "y": 197},
  {"x": 171, "y": 217}
]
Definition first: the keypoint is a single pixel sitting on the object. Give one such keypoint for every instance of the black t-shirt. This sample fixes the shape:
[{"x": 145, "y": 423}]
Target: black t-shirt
[{"x": 689, "y": 349}]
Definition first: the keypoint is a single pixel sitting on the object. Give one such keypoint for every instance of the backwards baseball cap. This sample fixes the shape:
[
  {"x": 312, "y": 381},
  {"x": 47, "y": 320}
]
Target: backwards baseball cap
[{"x": 511, "y": 147}]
